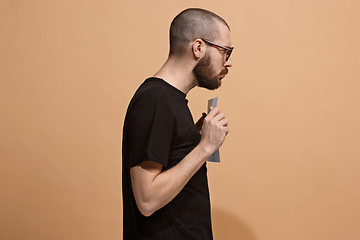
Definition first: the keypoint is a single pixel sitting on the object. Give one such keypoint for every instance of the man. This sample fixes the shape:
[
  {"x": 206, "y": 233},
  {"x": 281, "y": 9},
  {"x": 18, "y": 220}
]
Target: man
[{"x": 165, "y": 188}]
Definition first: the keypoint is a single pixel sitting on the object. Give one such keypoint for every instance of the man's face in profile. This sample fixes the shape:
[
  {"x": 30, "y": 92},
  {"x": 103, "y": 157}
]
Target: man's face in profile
[
  {"x": 213, "y": 67},
  {"x": 206, "y": 74}
]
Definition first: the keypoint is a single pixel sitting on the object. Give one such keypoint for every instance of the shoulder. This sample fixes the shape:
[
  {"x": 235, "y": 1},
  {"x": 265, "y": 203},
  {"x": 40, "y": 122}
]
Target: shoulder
[
  {"x": 152, "y": 91},
  {"x": 151, "y": 95}
]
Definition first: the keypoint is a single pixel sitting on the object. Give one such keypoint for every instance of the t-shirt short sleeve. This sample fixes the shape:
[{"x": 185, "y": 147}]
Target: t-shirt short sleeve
[{"x": 150, "y": 131}]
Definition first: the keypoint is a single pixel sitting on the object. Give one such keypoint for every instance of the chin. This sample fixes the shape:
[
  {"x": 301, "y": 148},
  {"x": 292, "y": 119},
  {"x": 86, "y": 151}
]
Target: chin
[
  {"x": 213, "y": 86},
  {"x": 209, "y": 83}
]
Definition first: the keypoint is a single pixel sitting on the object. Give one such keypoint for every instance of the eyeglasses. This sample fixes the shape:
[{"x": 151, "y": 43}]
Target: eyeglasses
[{"x": 228, "y": 50}]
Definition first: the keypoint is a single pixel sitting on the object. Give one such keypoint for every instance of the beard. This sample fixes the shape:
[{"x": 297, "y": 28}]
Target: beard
[{"x": 205, "y": 74}]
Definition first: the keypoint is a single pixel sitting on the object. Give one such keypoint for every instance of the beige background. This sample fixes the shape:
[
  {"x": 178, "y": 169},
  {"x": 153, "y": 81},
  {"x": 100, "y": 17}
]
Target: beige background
[{"x": 290, "y": 165}]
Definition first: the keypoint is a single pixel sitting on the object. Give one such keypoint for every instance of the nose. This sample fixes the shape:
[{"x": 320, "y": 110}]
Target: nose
[{"x": 228, "y": 63}]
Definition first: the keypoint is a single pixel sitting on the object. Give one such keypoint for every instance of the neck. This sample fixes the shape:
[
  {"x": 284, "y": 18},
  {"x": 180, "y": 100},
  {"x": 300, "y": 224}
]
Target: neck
[{"x": 178, "y": 73}]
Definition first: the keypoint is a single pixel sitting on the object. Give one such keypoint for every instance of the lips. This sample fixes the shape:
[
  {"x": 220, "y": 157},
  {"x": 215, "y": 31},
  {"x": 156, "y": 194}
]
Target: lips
[{"x": 224, "y": 72}]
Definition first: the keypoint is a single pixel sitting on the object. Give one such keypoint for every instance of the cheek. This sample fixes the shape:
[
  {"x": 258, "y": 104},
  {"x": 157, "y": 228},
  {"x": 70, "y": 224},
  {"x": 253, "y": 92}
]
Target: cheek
[
  {"x": 220, "y": 61},
  {"x": 218, "y": 67},
  {"x": 216, "y": 64}
]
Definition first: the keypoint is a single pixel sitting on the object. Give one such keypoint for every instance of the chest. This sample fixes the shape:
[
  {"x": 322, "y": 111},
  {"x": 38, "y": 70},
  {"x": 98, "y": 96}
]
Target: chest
[{"x": 185, "y": 135}]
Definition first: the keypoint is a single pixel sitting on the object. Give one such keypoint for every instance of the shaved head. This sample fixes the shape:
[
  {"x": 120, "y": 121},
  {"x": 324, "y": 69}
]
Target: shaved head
[{"x": 191, "y": 24}]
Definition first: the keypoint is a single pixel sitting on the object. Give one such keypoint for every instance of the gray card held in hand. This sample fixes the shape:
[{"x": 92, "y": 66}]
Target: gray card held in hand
[{"x": 215, "y": 157}]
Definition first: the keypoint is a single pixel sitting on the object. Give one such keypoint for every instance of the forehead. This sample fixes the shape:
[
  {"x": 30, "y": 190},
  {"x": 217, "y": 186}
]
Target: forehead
[{"x": 224, "y": 34}]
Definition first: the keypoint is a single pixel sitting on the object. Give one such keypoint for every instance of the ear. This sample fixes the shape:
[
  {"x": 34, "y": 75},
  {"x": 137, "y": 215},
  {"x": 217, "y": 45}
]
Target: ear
[{"x": 198, "y": 48}]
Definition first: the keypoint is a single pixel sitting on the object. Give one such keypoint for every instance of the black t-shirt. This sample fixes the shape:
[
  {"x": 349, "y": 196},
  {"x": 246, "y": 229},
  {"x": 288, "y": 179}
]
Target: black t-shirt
[{"x": 159, "y": 127}]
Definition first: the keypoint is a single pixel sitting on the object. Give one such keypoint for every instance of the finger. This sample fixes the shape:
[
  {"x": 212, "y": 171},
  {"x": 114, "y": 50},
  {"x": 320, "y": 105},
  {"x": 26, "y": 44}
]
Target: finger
[
  {"x": 220, "y": 116},
  {"x": 213, "y": 112},
  {"x": 224, "y": 122},
  {"x": 226, "y": 130}
]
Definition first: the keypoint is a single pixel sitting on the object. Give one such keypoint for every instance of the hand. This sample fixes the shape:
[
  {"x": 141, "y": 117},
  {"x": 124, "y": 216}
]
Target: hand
[{"x": 214, "y": 130}]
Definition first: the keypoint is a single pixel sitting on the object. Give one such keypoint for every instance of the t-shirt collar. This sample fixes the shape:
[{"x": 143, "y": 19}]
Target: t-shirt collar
[{"x": 169, "y": 85}]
